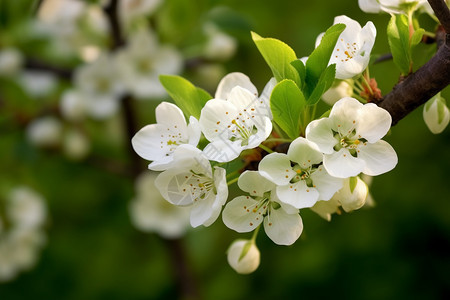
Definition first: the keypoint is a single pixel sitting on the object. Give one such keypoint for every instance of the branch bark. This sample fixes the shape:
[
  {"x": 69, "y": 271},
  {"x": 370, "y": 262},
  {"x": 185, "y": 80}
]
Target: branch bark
[{"x": 427, "y": 81}]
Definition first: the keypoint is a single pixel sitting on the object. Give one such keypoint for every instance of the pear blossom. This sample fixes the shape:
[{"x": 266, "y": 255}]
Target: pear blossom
[
  {"x": 436, "y": 114},
  {"x": 326, "y": 208},
  {"x": 390, "y": 6},
  {"x": 38, "y": 84},
  {"x": 219, "y": 45},
  {"x": 234, "y": 79},
  {"x": 143, "y": 60},
  {"x": 350, "y": 139},
  {"x": 99, "y": 83},
  {"x": 233, "y": 125},
  {"x": 11, "y": 61},
  {"x": 45, "y": 132},
  {"x": 339, "y": 90},
  {"x": 157, "y": 142},
  {"x": 243, "y": 256},
  {"x": 282, "y": 222},
  {"x": 76, "y": 144},
  {"x": 191, "y": 181},
  {"x": 352, "y": 51},
  {"x": 150, "y": 212},
  {"x": 130, "y": 10},
  {"x": 21, "y": 241},
  {"x": 300, "y": 176}
]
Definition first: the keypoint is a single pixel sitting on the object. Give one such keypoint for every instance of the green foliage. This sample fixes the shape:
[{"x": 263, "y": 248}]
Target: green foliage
[
  {"x": 325, "y": 82},
  {"x": 301, "y": 70},
  {"x": 401, "y": 43},
  {"x": 287, "y": 103},
  {"x": 278, "y": 56},
  {"x": 189, "y": 98},
  {"x": 317, "y": 62}
]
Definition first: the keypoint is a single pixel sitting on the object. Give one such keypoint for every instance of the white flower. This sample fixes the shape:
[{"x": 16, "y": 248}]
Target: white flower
[
  {"x": 157, "y": 142},
  {"x": 243, "y": 256},
  {"x": 75, "y": 105},
  {"x": 220, "y": 45},
  {"x": 350, "y": 139},
  {"x": 143, "y": 60},
  {"x": 326, "y": 208},
  {"x": 11, "y": 61},
  {"x": 282, "y": 223},
  {"x": 369, "y": 6},
  {"x": 45, "y": 132},
  {"x": 150, "y": 212},
  {"x": 353, "y": 194},
  {"x": 76, "y": 145},
  {"x": 233, "y": 125},
  {"x": 339, "y": 90},
  {"x": 132, "y": 9},
  {"x": 100, "y": 85},
  {"x": 235, "y": 79},
  {"x": 299, "y": 175},
  {"x": 26, "y": 208},
  {"x": 190, "y": 181},
  {"x": 436, "y": 114},
  {"x": 352, "y": 51},
  {"x": 59, "y": 12},
  {"x": 37, "y": 83}
]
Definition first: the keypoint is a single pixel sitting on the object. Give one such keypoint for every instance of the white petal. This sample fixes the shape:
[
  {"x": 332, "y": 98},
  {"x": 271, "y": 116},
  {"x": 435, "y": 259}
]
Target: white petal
[
  {"x": 223, "y": 150},
  {"x": 320, "y": 132},
  {"x": 215, "y": 118},
  {"x": 342, "y": 164},
  {"x": 203, "y": 211},
  {"x": 277, "y": 168},
  {"x": 326, "y": 208},
  {"x": 170, "y": 115},
  {"x": 243, "y": 98},
  {"x": 304, "y": 152},
  {"x": 283, "y": 228},
  {"x": 264, "y": 107},
  {"x": 220, "y": 183},
  {"x": 161, "y": 164},
  {"x": 369, "y": 6},
  {"x": 344, "y": 115},
  {"x": 232, "y": 80},
  {"x": 379, "y": 157},
  {"x": 431, "y": 110},
  {"x": 169, "y": 184},
  {"x": 298, "y": 194},
  {"x": 243, "y": 214},
  {"x": 264, "y": 126},
  {"x": 373, "y": 122},
  {"x": 194, "y": 131},
  {"x": 326, "y": 184},
  {"x": 147, "y": 142},
  {"x": 352, "y": 28},
  {"x": 102, "y": 106},
  {"x": 339, "y": 90},
  {"x": 254, "y": 183}
]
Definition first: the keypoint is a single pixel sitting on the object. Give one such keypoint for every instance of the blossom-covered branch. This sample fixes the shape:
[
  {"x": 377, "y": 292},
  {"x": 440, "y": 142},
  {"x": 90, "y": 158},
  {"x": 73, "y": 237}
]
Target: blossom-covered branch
[{"x": 427, "y": 81}]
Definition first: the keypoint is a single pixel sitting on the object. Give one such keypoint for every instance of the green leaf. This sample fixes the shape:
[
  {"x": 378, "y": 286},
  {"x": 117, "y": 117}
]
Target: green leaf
[
  {"x": 398, "y": 38},
  {"x": 325, "y": 82},
  {"x": 278, "y": 56},
  {"x": 318, "y": 60},
  {"x": 352, "y": 183},
  {"x": 287, "y": 103},
  {"x": 325, "y": 114},
  {"x": 189, "y": 98},
  {"x": 301, "y": 70},
  {"x": 416, "y": 38}
]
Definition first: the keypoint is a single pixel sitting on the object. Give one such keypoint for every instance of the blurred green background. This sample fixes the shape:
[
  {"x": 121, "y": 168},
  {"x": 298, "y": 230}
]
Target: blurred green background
[{"x": 400, "y": 249}]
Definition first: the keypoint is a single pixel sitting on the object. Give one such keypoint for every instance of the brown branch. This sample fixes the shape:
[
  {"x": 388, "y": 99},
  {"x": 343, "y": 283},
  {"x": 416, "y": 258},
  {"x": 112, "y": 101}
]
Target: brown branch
[
  {"x": 427, "y": 81},
  {"x": 183, "y": 275},
  {"x": 40, "y": 66}
]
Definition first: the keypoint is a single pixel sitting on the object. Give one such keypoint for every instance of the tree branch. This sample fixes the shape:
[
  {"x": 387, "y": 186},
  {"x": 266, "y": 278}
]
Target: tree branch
[{"x": 427, "y": 81}]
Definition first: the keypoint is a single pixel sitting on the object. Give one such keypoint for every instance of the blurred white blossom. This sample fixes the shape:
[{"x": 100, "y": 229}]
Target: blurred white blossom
[
  {"x": 45, "y": 132},
  {"x": 11, "y": 61},
  {"x": 150, "y": 212}
]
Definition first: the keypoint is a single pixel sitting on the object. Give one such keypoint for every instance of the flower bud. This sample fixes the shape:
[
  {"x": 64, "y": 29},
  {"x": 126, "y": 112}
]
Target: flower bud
[
  {"x": 243, "y": 256},
  {"x": 338, "y": 91},
  {"x": 436, "y": 114},
  {"x": 353, "y": 195}
]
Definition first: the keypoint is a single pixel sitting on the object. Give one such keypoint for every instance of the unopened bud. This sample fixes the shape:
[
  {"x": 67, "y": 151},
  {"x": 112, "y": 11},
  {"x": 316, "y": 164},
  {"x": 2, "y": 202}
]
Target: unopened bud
[{"x": 243, "y": 256}]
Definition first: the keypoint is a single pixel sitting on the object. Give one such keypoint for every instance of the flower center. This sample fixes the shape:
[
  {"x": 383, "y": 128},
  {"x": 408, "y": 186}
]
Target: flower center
[
  {"x": 242, "y": 131},
  {"x": 198, "y": 186},
  {"x": 346, "y": 51},
  {"x": 304, "y": 174}
]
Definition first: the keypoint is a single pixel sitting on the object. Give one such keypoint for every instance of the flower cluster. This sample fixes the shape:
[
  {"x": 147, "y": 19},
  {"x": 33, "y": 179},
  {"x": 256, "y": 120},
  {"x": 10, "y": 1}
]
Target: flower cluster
[
  {"x": 21, "y": 232},
  {"x": 321, "y": 168}
]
